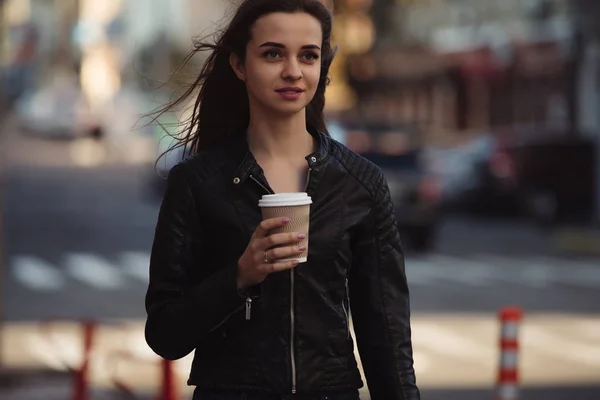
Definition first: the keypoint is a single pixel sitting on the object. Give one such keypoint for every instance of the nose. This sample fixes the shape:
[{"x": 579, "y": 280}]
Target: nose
[{"x": 291, "y": 70}]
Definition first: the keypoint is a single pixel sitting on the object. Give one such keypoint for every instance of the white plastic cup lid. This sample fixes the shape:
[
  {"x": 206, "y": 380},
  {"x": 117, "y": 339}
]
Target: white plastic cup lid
[{"x": 285, "y": 200}]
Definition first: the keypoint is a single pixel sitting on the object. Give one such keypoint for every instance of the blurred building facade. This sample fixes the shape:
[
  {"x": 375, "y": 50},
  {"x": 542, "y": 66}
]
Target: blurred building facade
[
  {"x": 467, "y": 68},
  {"x": 463, "y": 65},
  {"x": 51, "y": 33}
]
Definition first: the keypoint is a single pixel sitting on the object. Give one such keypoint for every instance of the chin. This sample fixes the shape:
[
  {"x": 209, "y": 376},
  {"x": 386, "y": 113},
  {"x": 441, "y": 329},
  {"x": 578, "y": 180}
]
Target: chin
[{"x": 288, "y": 109}]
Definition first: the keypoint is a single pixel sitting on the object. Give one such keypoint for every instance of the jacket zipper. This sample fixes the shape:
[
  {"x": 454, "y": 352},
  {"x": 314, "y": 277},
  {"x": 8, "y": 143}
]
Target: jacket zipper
[
  {"x": 247, "y": 304},
  {"x": 292, "y": 314},
  {"x": 248, "y": 308},
  {"x": 347, "y": 309},
  {"x": 292, "y": 294},
  {"x": 261, "y": 185}
]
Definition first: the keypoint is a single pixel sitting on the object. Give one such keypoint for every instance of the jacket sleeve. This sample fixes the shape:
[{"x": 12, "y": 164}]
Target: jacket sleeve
[
  {"x": 179, "y": 313},
  {"x": 380, "y": 306}
]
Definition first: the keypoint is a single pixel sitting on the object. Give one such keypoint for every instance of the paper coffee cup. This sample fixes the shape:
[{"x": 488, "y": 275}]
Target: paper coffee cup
[{"x": 295, "y": 206}]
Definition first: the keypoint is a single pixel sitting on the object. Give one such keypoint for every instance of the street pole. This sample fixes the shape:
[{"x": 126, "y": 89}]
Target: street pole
[
  {"x": 596, "y": 52},
  {"x": 3, "y": 118},
  {"x": 3, "y": 105}
]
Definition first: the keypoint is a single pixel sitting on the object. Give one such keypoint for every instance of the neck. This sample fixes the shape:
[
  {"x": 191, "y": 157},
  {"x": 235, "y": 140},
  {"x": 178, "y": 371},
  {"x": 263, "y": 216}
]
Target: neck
[{"x": 279, "y": 137}]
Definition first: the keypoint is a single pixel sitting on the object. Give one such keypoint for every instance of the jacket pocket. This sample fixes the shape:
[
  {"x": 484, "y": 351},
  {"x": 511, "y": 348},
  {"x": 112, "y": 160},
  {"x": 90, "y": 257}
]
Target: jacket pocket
[{"x": 228, "y": 317}]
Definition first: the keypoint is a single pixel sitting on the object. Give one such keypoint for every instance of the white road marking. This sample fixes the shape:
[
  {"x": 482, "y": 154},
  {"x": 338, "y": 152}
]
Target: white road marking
[
  {"x": 37, "y": 274},
  {"x": 435, "y": 338},
  {"x": 553, "y": 350},
  {"x": 590, "y": 328},
  {"x": 420, "y": 272},
  {"x": 422, "y": 361},
  {"x": 58, "y": 351},
  {"x": 528, "y": 271},
  {"x": 583, "y": 274},
  {"x": 560, "y": 347},
  {"x": 464, "y": 271},
  {"x": 136, "y": 264},
  {"x": 477, "y": 270},
  {"x": 94, "y": 271}
]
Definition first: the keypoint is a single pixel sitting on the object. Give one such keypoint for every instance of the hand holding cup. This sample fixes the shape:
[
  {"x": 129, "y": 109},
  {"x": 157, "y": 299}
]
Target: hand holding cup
[
  {"x": 267, "y": 253},
  {"x": 281, "y": 240}
]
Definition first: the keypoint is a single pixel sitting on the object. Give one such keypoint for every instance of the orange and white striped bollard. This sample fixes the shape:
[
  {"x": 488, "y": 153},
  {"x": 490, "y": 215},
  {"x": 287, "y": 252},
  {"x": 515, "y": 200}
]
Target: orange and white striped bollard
[
  {"x": 508, "y": 374},
  {"x": 81, "y": 386},
  {"x": 168, "y": 390}
]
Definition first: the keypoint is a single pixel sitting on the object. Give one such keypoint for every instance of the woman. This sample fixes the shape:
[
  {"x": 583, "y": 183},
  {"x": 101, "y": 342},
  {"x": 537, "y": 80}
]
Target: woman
[{"x": 262, "y": 328}]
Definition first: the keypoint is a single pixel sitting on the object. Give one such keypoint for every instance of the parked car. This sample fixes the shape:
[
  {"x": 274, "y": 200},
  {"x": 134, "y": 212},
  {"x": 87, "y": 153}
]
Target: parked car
[
  {"x": 554, "y": 175},
  {"x": 486, "y": 178},
  {"x": 55, "y": 111},
  {"x": 545, "y": 175},
  {"x": 398, "y": 151},
  {"x": 463, "y": 174}
]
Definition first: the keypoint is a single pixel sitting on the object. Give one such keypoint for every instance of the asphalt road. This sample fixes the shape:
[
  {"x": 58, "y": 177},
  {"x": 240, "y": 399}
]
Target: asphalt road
[
  {"x": 83, "y": 233},
  {"x": 77, "y": 243}
]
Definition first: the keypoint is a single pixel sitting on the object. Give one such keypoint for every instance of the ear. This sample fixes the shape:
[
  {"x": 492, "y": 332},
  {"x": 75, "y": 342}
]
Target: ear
[{"x": 237, "y": 66}]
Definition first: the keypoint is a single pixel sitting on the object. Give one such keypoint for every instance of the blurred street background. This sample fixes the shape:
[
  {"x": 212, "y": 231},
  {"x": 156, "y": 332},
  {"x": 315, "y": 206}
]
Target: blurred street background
[{"x": 484, "y": 115}]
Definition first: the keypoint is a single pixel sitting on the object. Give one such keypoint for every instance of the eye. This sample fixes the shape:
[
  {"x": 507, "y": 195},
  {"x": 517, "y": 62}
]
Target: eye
[
  {"x": 271, "y": 54},
  {"x": 310, "y": 56}
]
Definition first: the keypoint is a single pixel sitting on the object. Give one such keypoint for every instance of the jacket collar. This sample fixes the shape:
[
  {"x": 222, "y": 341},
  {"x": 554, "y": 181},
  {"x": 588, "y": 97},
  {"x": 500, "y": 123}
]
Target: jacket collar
[{"x": 247, "y": 164}]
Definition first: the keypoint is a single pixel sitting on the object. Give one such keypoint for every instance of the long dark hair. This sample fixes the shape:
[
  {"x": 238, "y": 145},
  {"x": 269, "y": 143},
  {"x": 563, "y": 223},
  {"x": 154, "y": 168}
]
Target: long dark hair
[{"x": 221, "y": 105}]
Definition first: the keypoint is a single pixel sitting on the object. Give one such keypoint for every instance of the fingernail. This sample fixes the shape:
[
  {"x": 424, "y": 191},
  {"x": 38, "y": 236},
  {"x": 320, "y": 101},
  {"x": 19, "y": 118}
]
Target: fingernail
[
  {"x": 295, "y": 262},
  {"x": 286, "y": 220},
  {"x": 302, "y": 248},
  {"x": 301, "y": 236}
]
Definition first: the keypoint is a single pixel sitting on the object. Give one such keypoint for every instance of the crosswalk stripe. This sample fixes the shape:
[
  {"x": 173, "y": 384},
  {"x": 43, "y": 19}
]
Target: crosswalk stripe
[
  {"x": 590, "y": 328},
  {"x": 48, "y": 353},
  {"x": 560, "y": 347},
  {"x": 136, "y": 264},
  {"x": 94, "y": 271},
  {"x": 37, "y": 274},
  {"x": 528, "y": 271},
  {"x": 538, "y": 275},
  {"x": 477, "y": 270},
  {"x": 468, "y": 272},
  {"x": 419, "y": 272},
  {"x": 437, "y": 339},
  {"x": 578, "y": 273},
  {"x": 422, "y": 361},
  {"x": 583, "y": 275},
  {"x": 438, "y": 268},
  {"x": 457, "y": 348}
]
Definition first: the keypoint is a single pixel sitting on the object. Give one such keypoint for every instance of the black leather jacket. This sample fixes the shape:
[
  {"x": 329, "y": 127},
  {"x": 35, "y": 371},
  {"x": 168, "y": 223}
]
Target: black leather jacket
[{"x": 290, "y": 334}]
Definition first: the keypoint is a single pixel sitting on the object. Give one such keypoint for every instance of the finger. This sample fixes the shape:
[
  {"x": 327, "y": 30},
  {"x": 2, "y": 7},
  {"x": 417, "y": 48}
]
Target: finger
[
  {"x": 280, "y": 239},
  {"x": 271, "y": 223},
  {"x": 283, "y": 252},
  {"x": 280, "y": 266}
]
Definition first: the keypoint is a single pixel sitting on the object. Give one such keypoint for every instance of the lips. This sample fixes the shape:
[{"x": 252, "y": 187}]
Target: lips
[{"x": 291, "y": 90}]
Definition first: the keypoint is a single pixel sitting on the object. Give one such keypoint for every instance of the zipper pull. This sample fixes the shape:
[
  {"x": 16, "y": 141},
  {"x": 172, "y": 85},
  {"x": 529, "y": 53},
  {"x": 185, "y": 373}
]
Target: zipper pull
[{"x": 248, "y": 308}]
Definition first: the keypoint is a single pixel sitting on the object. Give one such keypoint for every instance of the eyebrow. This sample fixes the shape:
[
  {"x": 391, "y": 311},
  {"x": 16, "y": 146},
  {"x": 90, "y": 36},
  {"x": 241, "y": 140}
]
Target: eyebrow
[{"x": 281, "y": 46}]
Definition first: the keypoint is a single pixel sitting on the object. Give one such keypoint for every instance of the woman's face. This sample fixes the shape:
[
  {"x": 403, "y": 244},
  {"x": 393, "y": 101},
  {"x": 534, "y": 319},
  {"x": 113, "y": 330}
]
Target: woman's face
[{"x": 283, "y": 62}]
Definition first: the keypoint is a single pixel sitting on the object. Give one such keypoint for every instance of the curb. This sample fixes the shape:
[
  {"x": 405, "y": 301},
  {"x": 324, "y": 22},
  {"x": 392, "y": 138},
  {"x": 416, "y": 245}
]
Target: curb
[{"x": 578, "y": 241}]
